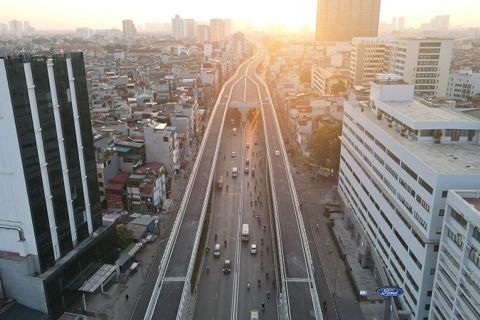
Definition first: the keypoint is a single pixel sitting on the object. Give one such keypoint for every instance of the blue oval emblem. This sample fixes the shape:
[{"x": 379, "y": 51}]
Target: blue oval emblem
[{"x": 389, "y": 291}]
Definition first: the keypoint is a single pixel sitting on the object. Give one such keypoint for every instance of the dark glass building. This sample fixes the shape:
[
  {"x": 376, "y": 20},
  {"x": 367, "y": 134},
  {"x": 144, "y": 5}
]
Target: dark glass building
[{"x": 50, "y": 218}]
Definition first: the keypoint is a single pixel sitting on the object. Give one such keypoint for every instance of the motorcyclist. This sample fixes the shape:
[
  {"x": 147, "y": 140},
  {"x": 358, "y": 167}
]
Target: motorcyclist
[
  {"x": 227, "y": 187},
  {"x": 259, "y": 282},
  {"x": 208, "y": 268},
  {"x": 215, "y": 236},
  {"x": 248, "y": 285},
  {"x": 225, "y": 243}
]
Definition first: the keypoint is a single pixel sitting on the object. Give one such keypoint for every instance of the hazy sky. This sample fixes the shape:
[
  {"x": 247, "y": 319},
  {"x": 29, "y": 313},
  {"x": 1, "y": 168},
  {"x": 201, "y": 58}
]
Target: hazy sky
[{"x": 102, "y": 14}]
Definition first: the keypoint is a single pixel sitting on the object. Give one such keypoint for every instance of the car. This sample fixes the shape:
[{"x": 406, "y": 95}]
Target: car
[
  {"x": 233, "y": 154},
  {"x": 227, "y": 266},
  {"x": 216, "y": 251},
  {"x": 247, "y": 161},
  {"x": 277, "y": 153},
  {"x": 248, "y": 145},
  {"x": 252, "y": 171},
  {"x": 226, "y": 96},
  {"x": 254, "y": 248},
  {"x": 266, "y": 99},
  {"x": 256, "y": 141},
  {"x": 246, "y": 170}
]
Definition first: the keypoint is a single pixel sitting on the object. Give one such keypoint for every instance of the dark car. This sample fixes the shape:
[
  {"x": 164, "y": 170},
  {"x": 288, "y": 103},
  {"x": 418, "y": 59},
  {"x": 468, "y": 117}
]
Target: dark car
[{"x": 227, "y": 266}]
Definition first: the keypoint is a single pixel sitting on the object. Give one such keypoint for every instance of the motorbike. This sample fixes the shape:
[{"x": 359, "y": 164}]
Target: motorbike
[{"x": 248, "y": 285}]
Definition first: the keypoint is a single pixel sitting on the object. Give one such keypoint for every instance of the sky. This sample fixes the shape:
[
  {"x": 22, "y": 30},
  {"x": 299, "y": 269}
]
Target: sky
[{"x": 101, "y": 14}]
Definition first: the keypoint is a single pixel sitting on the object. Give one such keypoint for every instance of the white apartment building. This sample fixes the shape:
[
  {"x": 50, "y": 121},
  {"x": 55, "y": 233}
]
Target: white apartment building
[
  {"x": 423, "y": 62},
  {"x": 178, "y": 27},
  {"x": 394, "y": 180},
  {"x": 456, "y": 292},
  {"x": 366, "y": 59},
  {"x": 161, "y": 145},
  {"x": 463, "y": 84}
]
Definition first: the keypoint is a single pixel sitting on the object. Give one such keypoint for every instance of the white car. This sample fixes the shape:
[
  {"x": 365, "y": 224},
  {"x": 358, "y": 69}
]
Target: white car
[
  {"x": 233, "y": 154},
  {"x": 277, "y": 153},
  {"x": 248, "y": 145},
  {"x": 254, "y": 248}
]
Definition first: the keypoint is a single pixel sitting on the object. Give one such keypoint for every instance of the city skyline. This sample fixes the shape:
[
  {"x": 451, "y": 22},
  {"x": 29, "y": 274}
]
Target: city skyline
[{"x": 70, "y": 16}]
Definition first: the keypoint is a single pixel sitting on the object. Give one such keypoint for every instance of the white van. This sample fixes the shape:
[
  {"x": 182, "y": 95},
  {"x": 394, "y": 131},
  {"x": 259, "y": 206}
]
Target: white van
[
  {"x": 234, "y": 172},
  {"x": 245, "y": 232},
  {"x": 254, "y": 315}
]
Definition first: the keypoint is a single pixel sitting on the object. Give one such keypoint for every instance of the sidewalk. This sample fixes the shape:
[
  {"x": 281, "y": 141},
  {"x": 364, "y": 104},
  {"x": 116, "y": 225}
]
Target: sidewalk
[{"x": 312, "y": 196}]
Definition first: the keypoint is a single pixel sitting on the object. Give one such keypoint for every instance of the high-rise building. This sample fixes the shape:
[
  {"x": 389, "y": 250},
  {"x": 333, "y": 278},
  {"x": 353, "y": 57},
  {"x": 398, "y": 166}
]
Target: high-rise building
[
  {"x": 16, "y": 27},
  {"x": 366, "y": 60},
  {"x": 456, "y": 288},
  {"x": 129, "y": 29},
  {"x": 398, "y": 160},
  {"x": 203, "y": 33},
  {"x": 424, "y": 62},
  {"x": 394, "y": 24},
  {"x": 439, "y": 23},
  {"x": 401, "y": 23},
  {"x": 217, "y": 30},
  {"x": 50, "y": 211},
  {"x": 190, "y": 28},
  {"x": 341, "y": 20},
  {"x": 228, "y": 27},
  {"x": 177, "y": 27}
]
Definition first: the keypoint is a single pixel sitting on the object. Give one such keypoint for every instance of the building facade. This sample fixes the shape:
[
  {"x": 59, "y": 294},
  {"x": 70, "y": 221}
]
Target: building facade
[
  {"x": 190, "y": 28},
  {"x": 178, "y": 27},
  {"x": 394, "y": 178},
  {"x": 203, "y": 33},
  {"x": 129, "y": 30},
  {"x": 463, "y": 84},
  {"x": 217, "y": 30},
  {"x": 456, "y": 292},
  {"x": 423, "y": 62},
  {"x": 366, "y": 60},
  {"x": 341, "y": 20},
  {"x": 50, "y": 202}
]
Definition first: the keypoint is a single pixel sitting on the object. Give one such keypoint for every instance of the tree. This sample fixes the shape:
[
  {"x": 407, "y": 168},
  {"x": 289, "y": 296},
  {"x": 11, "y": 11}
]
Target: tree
[
  {"x": 306, "y": 75},
  {"x": 326, "y": 145},
  {"x": 338, "y": 87},
  {"x": 124, "y": 236}
]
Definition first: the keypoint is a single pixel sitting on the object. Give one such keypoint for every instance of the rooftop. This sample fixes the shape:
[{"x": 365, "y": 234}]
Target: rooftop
[{"x": 444, "y": 158}]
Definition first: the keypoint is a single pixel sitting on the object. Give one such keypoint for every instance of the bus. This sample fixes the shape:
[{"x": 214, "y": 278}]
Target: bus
[
  {"x": 219, "y": 184},
  {"x": 245, "y": 232}
]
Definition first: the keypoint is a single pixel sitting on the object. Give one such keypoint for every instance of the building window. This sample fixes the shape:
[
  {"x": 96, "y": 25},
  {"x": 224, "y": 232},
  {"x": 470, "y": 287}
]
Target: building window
[
  {"x": 435, "y": 248},
  {"x": 99, "y": 176},
  {"x": 456, "y": 238},
  {"x": 476, "y": 234},
  {"x": 100, "y": 184},
  {"x": 439, "y": 230},
  {"x": 444, "y": 193},
  {"x": 441, "y": 212},
  {"x": 459, "y": 218},
  {"x": 425, "y": 185}
]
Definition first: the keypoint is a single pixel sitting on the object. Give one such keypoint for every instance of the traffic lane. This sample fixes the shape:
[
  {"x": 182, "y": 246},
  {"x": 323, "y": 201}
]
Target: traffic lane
[
  {"x": 294, "y": 257},
  {"x": 178, "y": 262},
  {"x": 300, "y": 308},
  {"x": 170, "y": 295}
]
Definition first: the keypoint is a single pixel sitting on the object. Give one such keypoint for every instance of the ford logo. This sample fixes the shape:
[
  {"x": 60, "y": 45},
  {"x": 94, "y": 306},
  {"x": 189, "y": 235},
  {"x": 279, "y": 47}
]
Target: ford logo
[{"x": 389, "y": 291}]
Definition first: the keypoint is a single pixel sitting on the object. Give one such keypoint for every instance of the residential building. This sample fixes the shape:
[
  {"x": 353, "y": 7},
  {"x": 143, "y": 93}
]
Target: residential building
[
  {"x": 131, "y": 155},
  {"x": 190, "y": 28},
  {"x": 341, "y": 20},
  {"x": 162, "y": 145},
  {"x": 153, "y": 189},
  {"x": 324, "y": 78},
  {"x": 50, "y": 211},
  {"x": 228, "y": 25},
  {"x": 439, "y": 23},
  {"x": 207, "y": 49},
  {"x": 366, "y": 60},
  {"x": 16, "y": 27},
  {"x": 398, "y": 160},
  {"x": 84, "y": 33},
  {"x": 424, "y": 62},
  {"x": 463, "y": 84},
  {"x": 203, "y": 33},
  {"x": 217, "y": 30},
  {"x": 129, "y": 30},
  {"x": 178, "y": 27},
  {"x": 456, "y": 291}
]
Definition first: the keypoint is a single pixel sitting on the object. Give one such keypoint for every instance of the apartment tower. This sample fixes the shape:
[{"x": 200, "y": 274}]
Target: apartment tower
[
  {"x": 341, "y": 20},
  {"x": 50, "y": 211},
  {"x": 217, "y": 30},
  {"x": 177, "y": 27},
  {"x": 129, "y": 30}
]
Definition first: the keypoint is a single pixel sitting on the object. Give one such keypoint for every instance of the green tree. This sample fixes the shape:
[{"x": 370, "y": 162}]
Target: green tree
[
  {"x": 306, "y": 75},
  {"x": 124, "y": 236},
  {"x": 326, "y": 145},
  {"x": 338, "y": 87}
]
